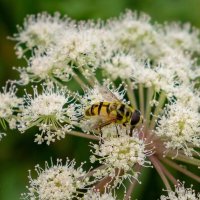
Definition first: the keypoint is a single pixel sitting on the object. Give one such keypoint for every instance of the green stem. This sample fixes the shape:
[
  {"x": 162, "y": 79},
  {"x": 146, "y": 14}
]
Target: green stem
[
  {"x": 156, "y": 164},
  {"x": 131, "y": 188},
  {"x": 92, "y": 80},
  {"x": 162, "y": 100},
  {"x": 183, "y": 158},
  {"x": 83, "y": 135},
  {"x": 35, "y": 123},
  {"x": 62, "y": 85},
  {"x": 130, "y": 93},
  {"x": 94, "y": 170},
  {"x": 181, "y": 169},
  {"x": 80, "y": 82},
  {"x": 57, "y": 82},
  {"x": 141, "y": 98},
  {"x": 132, "y": 184},
  {"x": 3, "y": 123},
  {"x": 107, "y": 181},
  {"x": 168, "y": 174},
  {"x": 150, "y": 92}
]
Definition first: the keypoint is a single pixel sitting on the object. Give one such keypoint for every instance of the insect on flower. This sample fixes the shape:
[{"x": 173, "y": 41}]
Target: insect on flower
[{"x": 113, "y": 110}]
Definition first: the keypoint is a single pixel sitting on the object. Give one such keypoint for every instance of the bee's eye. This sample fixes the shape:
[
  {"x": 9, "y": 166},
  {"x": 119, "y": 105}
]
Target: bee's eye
[{"x": 135, "y": 118}]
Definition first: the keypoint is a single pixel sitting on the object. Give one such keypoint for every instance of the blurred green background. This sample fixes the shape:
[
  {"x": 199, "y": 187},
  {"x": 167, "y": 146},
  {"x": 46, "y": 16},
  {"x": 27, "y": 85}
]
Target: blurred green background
[{"x": 18, "y": 152}]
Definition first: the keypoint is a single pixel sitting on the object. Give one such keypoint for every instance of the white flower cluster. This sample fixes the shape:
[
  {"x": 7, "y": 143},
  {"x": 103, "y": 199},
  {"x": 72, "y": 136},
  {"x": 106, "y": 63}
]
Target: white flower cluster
[
  {"x": 180, "y": 127},
  {"x": 132, "y": 30},
  {"x": 122, "y": 153},
  {"x": 171, "y": 45},
  {"x": 9, "y": 104},
  {"x": 117, "y": 46},
  {"x": 59, "y": 45},
  {"x": 159, "y": 77},
  {"x": 57, "y": 182},
  {"x": 96, "y": 195},
  {"x": 188, "y": 97},
  {"x": 148, "y": 67},
  {"x": 181, "y": 37},
  {"x": 181, "y": 193},
  {"x": 41, "y": 31},
  {"x": 121, "y": 65},
  {"x": 49, "y": 112}
]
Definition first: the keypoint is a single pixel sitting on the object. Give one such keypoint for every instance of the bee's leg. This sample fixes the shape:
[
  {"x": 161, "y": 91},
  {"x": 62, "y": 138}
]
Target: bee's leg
[
  {"x": 117, "y": 130},
  {"x": 131, "y": 131},
  {"x": 101, "y": 135},
  {"x": 126, "y": 128},
  {"x": 126, "y": 131}
]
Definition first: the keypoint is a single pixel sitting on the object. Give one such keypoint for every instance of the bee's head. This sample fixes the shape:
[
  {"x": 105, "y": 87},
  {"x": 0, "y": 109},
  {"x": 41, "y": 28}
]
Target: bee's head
[{"x": 136, "y": 118}]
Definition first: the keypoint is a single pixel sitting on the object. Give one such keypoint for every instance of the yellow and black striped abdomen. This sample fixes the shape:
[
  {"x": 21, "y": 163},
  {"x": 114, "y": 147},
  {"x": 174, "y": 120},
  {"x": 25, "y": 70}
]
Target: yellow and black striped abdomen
[
  {"x": 121, "y": 112},
  {"x": 100, "y": 108}
]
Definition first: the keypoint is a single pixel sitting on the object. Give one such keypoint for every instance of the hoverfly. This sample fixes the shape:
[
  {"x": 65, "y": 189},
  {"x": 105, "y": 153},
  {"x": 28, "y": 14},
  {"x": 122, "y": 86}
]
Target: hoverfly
[{"x": 113, "y": 110}]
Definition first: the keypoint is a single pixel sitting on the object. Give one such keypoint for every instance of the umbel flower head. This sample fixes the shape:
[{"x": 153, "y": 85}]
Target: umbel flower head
[
  {"x": 181, "y": 126},
  {"x": 40, "y": 31},
  {"x": 48, "y": 111},
  {"x": 100, "y": 80},
  {"x": 181, "y": 193},
  {"x": 57, "y": 182},
  {"x": 123, "y": 153},
  {"x": 9, "y": 104}
]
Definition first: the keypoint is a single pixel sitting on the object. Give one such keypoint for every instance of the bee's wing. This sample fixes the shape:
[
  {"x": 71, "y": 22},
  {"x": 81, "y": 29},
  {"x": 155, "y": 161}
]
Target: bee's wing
[
  {"x": 107, "y": 94},
  {"x": 99, "y": 121},
  {"x": 104, "y": 122}
]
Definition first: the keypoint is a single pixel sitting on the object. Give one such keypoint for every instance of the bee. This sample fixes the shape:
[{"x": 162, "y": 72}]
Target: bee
[{"x": 112, "y": 110}]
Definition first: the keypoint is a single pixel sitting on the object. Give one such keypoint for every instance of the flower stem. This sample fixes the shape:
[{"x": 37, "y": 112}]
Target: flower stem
[
  {"x": 108, "y": 180},
  {"x": 130, "y": 189},
  {"x": 91, "y": 79},
  {"x": 80, "y": 82},
  {"x": 186, "y": 159},
  {"x": 141, "y": 98},
  {"x": 94, "y": 170},
  {"x": 156, "y": 164},
  {"x": 167, "y": 173},
  {"x": 131, "y": 94},
  {"x": 162, "y": 99},
  {"x": 57, "y": 81},
  {"x": 2, "y": 123},
  {"x": 132, "y": 184},
  {"x": 150, "y": 93},
  {"x": 83, "y": 135},
  {"x": 181, "y": 169}
]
